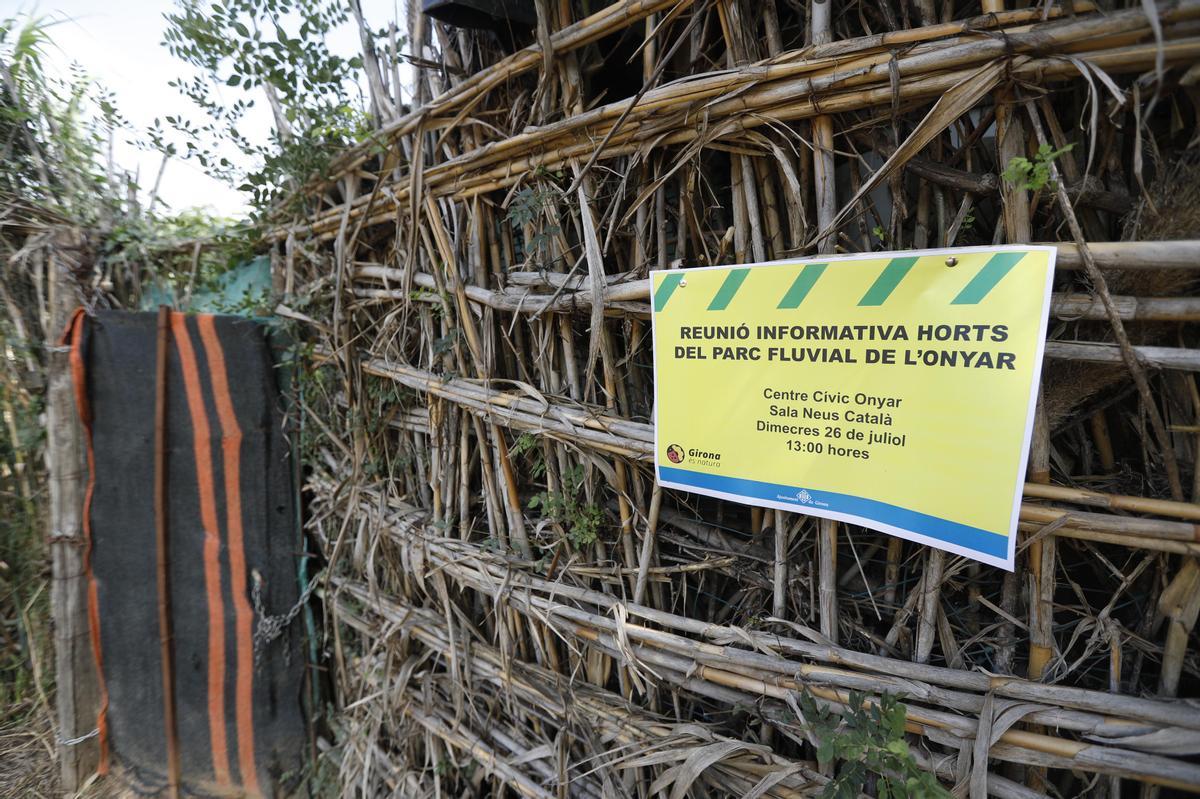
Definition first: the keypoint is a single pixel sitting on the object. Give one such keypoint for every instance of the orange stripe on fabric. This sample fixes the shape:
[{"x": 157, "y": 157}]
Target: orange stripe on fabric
[
  {"x": 231, "y": 449},
  {"x": 201, "y": 435},
  {"x": 74, "y": 332}
]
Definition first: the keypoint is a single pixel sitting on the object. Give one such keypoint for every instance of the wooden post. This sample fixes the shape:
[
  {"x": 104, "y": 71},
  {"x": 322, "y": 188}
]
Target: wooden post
[
  {"x": 77, "y": 694},
  {"x": 1041, "y": 557},
  {"x": 1015, "y": 218},
  {"x": 826, "y": 194}
]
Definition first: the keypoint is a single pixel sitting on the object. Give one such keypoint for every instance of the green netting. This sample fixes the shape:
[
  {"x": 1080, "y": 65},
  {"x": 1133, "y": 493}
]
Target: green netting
[{"x": 241, "y": 291}]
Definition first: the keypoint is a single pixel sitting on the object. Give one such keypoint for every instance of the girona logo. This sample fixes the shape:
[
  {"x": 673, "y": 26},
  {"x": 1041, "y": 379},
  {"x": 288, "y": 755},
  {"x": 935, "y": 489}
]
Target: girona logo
[{"x": 675, "y": 453}]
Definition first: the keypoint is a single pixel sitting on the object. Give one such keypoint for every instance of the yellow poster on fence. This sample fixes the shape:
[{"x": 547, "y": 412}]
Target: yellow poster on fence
[{"x": 891, "y": 390}]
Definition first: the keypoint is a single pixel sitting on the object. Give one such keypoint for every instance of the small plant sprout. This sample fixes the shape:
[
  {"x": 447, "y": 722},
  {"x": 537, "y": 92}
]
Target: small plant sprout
[{"x": 1033, "y": 175}]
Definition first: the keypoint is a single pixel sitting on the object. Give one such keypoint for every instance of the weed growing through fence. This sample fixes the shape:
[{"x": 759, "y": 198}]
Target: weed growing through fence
[
  {"x": 252, "y": 304},
  {"x": 1033, "y": 175},
  {"x": 526, "y": 208},
  {"x": 528, "y": 443},
  {"x": 868, "y": 739},
  {"x": 580, "y": 520},
  {"x": 420, "y": 295},
  {"x": 445, "y": 344}
]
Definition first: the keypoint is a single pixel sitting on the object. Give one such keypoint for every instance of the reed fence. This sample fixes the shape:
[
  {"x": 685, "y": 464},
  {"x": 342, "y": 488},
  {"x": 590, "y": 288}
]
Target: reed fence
[{"x": 513, "y": 604}]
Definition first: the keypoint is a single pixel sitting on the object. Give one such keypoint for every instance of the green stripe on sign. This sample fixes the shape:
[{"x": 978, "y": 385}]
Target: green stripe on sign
[
  {"x": 733, "y": 282},
  {"x": 888, "y": 279},
  {"x": 802, "y": 285},
  {"x": 986, "y": 278},
  {"x": 665, "y": 289}
]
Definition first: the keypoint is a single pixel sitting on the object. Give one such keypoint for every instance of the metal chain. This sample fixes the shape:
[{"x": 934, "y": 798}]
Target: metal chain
[{"x": 271, "y": 627}]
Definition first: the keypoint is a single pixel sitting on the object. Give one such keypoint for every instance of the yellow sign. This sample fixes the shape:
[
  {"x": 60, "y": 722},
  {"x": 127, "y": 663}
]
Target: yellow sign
[{"x": 891, "y": 390}]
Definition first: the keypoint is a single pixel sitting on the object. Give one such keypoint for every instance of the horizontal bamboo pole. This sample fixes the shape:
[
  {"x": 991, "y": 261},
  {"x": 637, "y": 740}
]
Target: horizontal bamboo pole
[
  {"x": 519, "y": 676},
  {"x": 444, "y": 110},
  {"x": 632, "y": 298},
  {"x": 1140, "y": 309},
  {"x": 1063, "y": 753},
  {"x": 1168, "y": 545},
  {"x": 464, "y": 739},
  {"x": 503, "y": 301},
  {"x": 1014, "y": 745},
  {"x": 923, "y": 75},
  {"x": 601, "y": 629},
  {"x": 594, "y": 427},
  {"x": 1108, "y": 523},
  {"x": 1099, "y": 499},
  {"x": 608, "y": 20},
  {"x": 611, "y": 713},
  {"x": 572, "y": 425},
  {"x": 686, "y": 130},
  {"x": 408, "y": 524},
  {"x": 929, "y": 701},
  {"x": 1185, "y": 360},
  {"x": 1132, "y": 255},
  {"x": 1137, "y": 255},
  {"x": 1175, "y": 358}
]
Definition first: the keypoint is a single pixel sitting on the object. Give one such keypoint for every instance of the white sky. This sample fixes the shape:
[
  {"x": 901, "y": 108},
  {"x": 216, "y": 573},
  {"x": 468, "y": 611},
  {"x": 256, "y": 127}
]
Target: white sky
[{"x": 119, "y": 43}]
